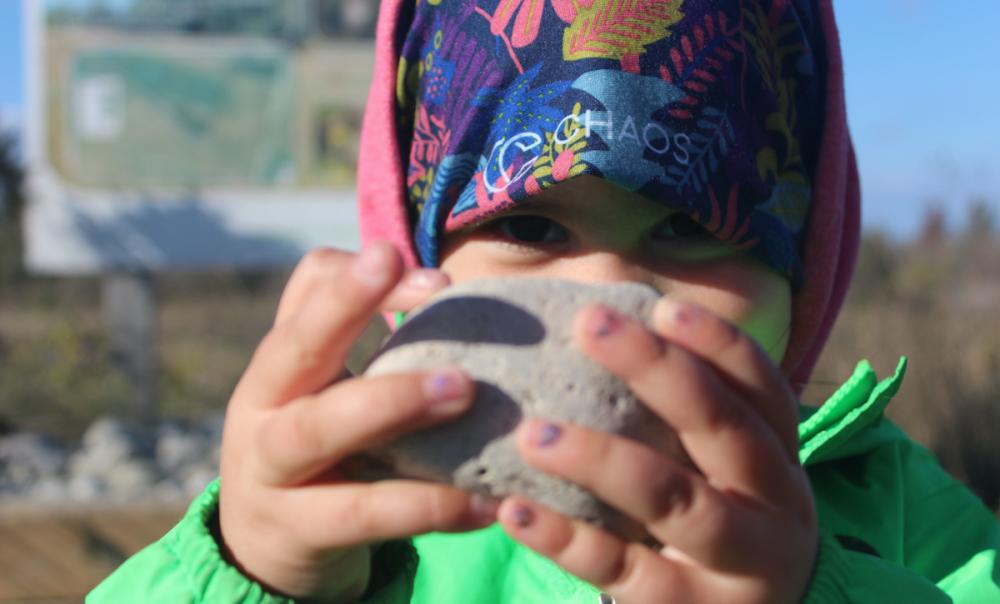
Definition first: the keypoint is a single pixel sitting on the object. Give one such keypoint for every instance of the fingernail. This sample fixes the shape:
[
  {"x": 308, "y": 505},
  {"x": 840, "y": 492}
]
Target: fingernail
[
  {"x": 425, "y": 278},
  {"x": 372, "y": 265},
  {"x": 676, "y": 313},
  {"x": 683, "y": 316},
  {"x": 446, "y": 389},
  {"x": 545, "y": 434},
  {"x": 604, "y": 322},
  {"x": 523, "y": 516}
]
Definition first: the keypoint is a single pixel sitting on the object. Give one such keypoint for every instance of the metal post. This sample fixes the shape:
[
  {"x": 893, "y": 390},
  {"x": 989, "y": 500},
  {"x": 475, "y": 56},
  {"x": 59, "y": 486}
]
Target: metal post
[{"x": 129, "y": 307}]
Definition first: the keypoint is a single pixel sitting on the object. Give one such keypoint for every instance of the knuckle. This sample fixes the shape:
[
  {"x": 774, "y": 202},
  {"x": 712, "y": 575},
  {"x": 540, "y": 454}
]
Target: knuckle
[
  {"x": 610, "y": 569},
  {"x": 302, "y": 427},
  {"x": 718, "y": 526},
  {"x": 432, "y": 508},
  {"x": 304, "y": 530},
  {"x": 658, "y": 356},
  {"x": 359, "y": 515},
  {"x": 265, "y": 465},
  {"x": 302, "y": 346},
  {"x": 670, "y": 493},
  {"x": 624, "y": 568},
  {"x": 394, "y": 396},
  {"x": 316, "y": 266},
  {"x": 656, "y": 349},
  {"x": 561, "y": 543},
  {"x": 331, "y": 292},
  {"x": 723, "y": 416},
  {"x": 304, "y": 356},
  {"x": 588, "y": 459},
  {"x": 729, "y": 338},
  {"x": 440, "y": 510},
  {"x": 647, "y": 358},
  {"x": 345, "y": 523},
  {"x": 661, "y": 351},
  {"x": 320, "y": 260},
  {"x": 270, "y": 343}
]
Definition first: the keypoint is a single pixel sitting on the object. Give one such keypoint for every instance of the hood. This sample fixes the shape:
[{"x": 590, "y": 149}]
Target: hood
[{"x": 829, "y": 239}]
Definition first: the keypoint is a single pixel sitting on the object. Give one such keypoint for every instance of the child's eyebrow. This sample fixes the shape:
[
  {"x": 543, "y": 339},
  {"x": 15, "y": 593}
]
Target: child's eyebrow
[
  {"x": 563, "y": 205},
  {"x": 548, "y": 205}
]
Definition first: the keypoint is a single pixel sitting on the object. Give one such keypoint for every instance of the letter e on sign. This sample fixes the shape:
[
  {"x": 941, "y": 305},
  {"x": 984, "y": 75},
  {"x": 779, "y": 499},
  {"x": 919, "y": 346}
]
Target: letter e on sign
[{"x": 99, "y": 108}]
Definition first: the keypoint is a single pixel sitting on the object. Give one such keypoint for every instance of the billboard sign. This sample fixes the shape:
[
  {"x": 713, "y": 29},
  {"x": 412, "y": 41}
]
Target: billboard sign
[{"x": 192, "y": 133}]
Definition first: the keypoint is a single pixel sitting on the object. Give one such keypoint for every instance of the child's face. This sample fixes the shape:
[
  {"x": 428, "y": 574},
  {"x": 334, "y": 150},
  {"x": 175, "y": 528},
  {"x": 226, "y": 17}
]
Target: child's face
[{"x": 587, "y": 229}]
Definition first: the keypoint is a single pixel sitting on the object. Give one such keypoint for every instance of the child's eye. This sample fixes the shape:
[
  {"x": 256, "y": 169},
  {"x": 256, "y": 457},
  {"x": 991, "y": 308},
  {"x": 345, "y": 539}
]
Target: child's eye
[
  {"x": 679, "y": 225},
  {"x": 531, "y": 230}
]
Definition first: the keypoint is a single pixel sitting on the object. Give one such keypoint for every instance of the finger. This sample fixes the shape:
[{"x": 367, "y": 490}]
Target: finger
[
  {"x": 302, "y": 439},
  {"x": 327, "y": 265},
  {"x": 417, "y": 286},
  {"x": 728, "y": 441},
  {"x": 307, "y": 351},
  {"x": 677, "y": 505},
  {"x": 738, "y": 358},
  {"x": 346, "y": 514},
  {"x": 318, "y": 266},
  {"x": 629, "y": 572}
]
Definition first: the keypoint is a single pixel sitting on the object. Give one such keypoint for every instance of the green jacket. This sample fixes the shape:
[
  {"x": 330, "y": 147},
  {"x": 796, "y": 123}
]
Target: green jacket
[{"x": 894, "y": 527}]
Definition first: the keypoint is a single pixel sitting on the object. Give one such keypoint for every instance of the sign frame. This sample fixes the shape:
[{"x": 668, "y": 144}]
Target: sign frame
[{"x": 71, "y": 230}]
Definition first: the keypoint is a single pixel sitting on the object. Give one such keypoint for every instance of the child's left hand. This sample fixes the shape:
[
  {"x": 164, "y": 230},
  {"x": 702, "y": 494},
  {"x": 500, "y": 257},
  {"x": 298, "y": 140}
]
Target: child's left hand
[{"x": 743, "y": 530}]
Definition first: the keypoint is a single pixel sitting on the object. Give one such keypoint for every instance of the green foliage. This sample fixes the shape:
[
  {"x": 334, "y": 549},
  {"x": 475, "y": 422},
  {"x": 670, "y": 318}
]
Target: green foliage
[
  {"x": 11, "y": 204},
  {"x": 981, "y": 222},
  {"x": 57, "y": 378},
  {"x": 877, "y": 264}
]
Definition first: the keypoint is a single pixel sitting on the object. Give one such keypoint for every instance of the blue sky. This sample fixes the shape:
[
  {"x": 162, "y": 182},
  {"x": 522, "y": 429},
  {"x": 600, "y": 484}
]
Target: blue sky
[{"x": 922, "y": 94}]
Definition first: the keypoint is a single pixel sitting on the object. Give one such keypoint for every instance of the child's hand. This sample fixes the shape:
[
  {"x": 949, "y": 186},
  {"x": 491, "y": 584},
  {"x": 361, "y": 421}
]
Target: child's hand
[
  {"x": 744, "y": 531},
  {"x": 287, "y": 519}
]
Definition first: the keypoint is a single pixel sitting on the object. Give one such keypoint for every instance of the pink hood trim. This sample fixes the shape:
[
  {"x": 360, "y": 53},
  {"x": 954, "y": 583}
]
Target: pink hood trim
[{"x": 832, "y": 232}]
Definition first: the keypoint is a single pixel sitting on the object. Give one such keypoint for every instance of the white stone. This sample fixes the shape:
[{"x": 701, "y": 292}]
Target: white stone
[
  {"x": 26, "y": 459},
  {"x": 131, "y": 479},
  {"x": 177, "y": 448},
  {"x": 82, "y": 488}
]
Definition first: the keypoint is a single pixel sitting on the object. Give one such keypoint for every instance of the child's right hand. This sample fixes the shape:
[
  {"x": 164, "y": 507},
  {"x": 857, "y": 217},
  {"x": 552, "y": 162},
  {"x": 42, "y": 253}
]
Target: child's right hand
[{"x": 287, "y": 519}]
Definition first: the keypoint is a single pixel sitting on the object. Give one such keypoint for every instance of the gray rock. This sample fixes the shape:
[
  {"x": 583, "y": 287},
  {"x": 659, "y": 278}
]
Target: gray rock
[
  {"x": 109, "y": 440},
  {"x": 196, "y": 479},
  {"x": 178, "y": 447},
  {"x": 88, "y": 462},
  {"x": 83, "y": 488},
  {"x": 514, "y": 337},
  {"x": 116, "y": 461},
  {"x": 49, "y": 490},
  {"x": 131, "y": 479},
  {"x": 27, "y": 459},
  {"x": 166, "y": 489}
]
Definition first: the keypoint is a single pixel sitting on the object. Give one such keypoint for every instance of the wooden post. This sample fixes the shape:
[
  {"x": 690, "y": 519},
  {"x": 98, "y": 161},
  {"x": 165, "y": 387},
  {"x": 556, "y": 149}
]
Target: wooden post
[{"x": 128, "y": 302}]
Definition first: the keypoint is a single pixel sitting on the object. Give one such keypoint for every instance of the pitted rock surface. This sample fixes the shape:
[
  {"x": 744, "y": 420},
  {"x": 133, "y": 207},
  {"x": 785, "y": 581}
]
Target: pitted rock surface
[{"x": 514, "y": 337}]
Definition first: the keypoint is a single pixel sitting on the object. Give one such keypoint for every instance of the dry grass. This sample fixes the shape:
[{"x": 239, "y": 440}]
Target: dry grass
[{"x": 936, "y": 304}]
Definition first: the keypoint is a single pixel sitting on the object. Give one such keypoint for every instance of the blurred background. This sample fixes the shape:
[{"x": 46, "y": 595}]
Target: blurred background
[{"x": 163, "y": 163}]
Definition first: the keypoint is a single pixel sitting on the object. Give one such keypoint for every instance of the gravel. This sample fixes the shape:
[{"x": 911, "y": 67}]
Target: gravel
[{"x": 169, "y": 462}]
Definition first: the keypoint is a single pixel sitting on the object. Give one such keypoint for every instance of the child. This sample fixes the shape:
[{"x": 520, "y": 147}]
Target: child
[{"x": 700, "y": 147}]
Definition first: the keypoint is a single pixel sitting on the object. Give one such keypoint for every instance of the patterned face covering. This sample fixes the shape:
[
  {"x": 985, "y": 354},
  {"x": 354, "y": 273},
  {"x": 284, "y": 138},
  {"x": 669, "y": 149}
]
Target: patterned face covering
[{"x": 711, "y": 108}]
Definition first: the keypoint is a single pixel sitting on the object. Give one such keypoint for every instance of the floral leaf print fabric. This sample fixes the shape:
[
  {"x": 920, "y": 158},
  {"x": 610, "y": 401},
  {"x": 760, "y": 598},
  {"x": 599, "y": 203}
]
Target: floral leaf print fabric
[
  {"x": 634, "y": 99},
  {"x": 711, "y": 108},
  {"x": 615, "y": 29}
]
